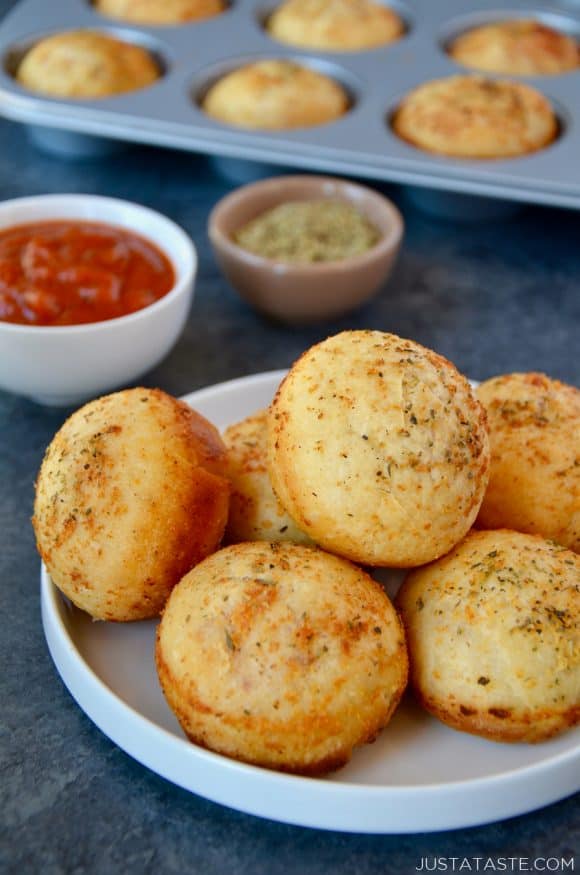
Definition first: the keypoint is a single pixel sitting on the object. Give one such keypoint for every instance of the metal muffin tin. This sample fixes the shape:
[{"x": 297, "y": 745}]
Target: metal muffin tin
[{"x": 361, "y": 143}]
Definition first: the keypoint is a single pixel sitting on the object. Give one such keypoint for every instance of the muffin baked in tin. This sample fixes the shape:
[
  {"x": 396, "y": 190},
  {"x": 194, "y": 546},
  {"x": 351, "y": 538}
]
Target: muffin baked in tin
[
  {"x": 516, "y": 47},
  {"x": 86, "y": 64},
  {"x": 476, "y": 117},
  {"x": 335, "y": 25},
  {"x": 275, "y": 95},
  {"x": 160, "y": 11}
]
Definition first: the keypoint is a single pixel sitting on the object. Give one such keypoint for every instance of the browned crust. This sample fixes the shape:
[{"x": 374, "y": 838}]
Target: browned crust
[
  {"x": 312, "y": 768},
  {"x": 179, "y": 525},
  {"x": 255, "y": 512},
  {"x": 327, "y": 25},
  {"x": 516, "y": 47},
  {"x": 162, "y": 12},
  {"x": 470, "y": 449},
  {"x": 275, "y": 95},
  {"x": 449, "y": 124},
  {"x": 86, "y": 63},
  {"x": 500, "y": 724},
  {"x": 309, "y": 734},
  {"x": 535, "y": 457},
  {"x": 451, "y": 608}
]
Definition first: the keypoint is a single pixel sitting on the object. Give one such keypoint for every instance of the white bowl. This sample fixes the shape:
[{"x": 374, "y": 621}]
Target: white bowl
[{"x": 68, "y": 364}]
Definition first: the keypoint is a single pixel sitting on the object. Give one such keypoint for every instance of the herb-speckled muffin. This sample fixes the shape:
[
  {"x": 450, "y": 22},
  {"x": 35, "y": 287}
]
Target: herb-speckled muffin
[
  {"x": 493, "y": 631},
  {"x": 335, "y": 25},
  {"x": 281, "y": 655},
  {"x": 476, "y": 117},
  {"x": 275, "y": 95},
  {"x": 255, "y": 512},
  {"x": 534, "y": 432},
  {"x": 378, "y": 449},
  {"x": 86, "y": 63},
  {"x": 131, "y": 494},
  {"x": 517, "y": 47}
]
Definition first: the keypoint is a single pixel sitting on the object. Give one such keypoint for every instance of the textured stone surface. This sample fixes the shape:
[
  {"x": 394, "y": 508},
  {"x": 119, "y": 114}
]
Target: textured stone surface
[{"x": 492, "y": 297}]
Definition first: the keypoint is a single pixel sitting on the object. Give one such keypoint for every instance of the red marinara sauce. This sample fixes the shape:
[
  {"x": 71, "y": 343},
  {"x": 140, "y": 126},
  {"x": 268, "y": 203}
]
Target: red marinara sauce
[{"x": 73, "y": 272}]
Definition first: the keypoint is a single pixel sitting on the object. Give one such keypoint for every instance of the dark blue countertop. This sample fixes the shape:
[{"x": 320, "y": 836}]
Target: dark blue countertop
[{"x": 493, "y": 297}]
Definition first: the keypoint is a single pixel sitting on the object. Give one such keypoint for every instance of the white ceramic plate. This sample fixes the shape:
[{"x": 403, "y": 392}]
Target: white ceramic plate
[{"x": 418, "y": 776}]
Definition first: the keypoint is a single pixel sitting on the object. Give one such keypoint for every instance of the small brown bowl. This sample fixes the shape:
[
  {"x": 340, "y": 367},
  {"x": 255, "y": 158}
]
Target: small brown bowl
[{"x": 300, "y": 293}]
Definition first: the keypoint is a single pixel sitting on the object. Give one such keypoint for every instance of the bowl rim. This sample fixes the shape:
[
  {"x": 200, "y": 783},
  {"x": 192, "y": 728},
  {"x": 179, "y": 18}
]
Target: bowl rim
[
  {"x": 183, "y": 277},
  {"x": 388, "y": 242}
]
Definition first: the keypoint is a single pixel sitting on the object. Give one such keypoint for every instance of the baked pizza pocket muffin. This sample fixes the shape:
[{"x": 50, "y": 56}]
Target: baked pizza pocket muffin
[
  {"x": 476, "y": 117},
  {"x": 86, "y": 64},
  {"x": 378, "y": 449},
  {"x": 516, "y": 47},
  {"x": 255, "y": 512},
  {"x": 160, "y": 11},
  {"x": 275, "y": 95},
  {"x": 493, "y": 631},
  {"x": 281, "y": 655},
  {"x": 534, "y": 485},
  {"x": 335, "y": 25},
  {"x": 131, "y": 494}
]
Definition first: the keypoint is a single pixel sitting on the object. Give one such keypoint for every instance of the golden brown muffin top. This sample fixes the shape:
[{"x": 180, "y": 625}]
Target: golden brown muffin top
[
  {"x": 132, "y": 492},
  {"x": 378, "y": 449},
  {"x": 274, "y": 95},
  {"x": 281, "y": 655},
  {"x": 335, "y": 25},
  {"x": 534, "y": 424},
  {"x": 529, "y": 399},
  {"x": 86, "y": 63},
  {"x": 494, "y": 635},
  {"x": 476, "y": 117},
  {"x": 160, "y": 11},
  {"x": 520, "y": 47}
]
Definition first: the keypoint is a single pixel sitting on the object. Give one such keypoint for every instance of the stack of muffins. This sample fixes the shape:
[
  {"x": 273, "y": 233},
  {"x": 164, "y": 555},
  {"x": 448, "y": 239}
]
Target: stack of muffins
[{"x": 280, "y": 649}]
